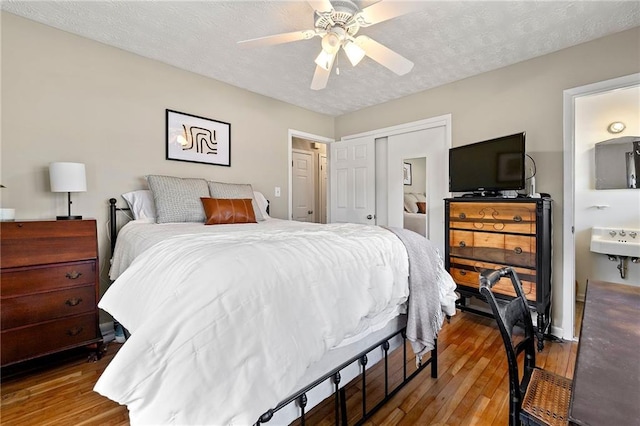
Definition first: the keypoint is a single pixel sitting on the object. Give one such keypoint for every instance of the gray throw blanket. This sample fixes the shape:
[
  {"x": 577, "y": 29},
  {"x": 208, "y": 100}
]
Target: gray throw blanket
[{"x": 425, "y": 316}]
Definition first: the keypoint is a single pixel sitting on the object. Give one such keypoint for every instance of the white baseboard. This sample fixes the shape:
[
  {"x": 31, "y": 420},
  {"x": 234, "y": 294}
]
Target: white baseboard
[{"x": 556, "y": 331}]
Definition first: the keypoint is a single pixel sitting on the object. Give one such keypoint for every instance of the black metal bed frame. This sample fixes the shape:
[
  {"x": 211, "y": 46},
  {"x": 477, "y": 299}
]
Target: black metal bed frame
[
  {"x": 339, "y": 393},
  {"x": 300, "y": 397}
]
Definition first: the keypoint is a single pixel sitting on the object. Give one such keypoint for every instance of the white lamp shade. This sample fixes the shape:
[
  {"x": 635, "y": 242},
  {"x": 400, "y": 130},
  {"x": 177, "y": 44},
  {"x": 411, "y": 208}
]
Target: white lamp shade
[
  {"x": 354, "y": 52},
  {"x": 67, "y": 177}
]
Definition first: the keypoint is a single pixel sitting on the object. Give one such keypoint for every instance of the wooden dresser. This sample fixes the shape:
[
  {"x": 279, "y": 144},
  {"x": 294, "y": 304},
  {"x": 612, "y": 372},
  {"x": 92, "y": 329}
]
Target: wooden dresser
[
  {"x": 50, "y": 286},
  {"x": 491, "y": 233}
]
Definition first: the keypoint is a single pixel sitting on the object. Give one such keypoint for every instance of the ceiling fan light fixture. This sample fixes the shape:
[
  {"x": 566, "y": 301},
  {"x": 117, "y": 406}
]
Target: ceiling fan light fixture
[
  {"x": 354, "y": 52},
  {"x": 324, "y": 60},
  {"x": 332, "y": 40}
]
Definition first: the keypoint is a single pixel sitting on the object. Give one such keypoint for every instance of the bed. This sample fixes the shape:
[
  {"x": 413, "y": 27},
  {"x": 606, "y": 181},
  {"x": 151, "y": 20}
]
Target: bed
[{"x": 254, "y": 322}]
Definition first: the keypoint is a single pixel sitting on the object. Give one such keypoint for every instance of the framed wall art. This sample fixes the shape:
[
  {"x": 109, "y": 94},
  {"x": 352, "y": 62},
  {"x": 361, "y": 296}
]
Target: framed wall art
[
  {"x": 407, "y": 173},
  {"x": 197, "y": 139}
]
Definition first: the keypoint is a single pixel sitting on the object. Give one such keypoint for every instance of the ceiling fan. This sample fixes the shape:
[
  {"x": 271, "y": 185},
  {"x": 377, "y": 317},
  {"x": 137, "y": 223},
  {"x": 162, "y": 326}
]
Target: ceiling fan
[{"x": 337, "y": 22}]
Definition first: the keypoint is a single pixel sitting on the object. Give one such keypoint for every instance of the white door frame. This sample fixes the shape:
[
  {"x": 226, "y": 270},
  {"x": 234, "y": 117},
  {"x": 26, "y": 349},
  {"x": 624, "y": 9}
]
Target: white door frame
[
  {"x": 568, "y": 241},
  {"x": 309, "y": 136},
  {"x": 427, "y": 123}
]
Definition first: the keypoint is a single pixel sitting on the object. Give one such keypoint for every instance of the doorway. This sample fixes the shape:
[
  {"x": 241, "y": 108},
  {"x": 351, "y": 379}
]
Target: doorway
[
  {"x": 303, "y": 185},
  {"x": 582, "y": 207},
  {"x": 308, "y": 183}
]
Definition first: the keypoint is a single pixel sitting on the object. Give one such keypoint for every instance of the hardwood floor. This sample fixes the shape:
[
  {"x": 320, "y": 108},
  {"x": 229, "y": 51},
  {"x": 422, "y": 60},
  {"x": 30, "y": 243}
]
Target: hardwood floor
[{"x": 471, "y": 388}]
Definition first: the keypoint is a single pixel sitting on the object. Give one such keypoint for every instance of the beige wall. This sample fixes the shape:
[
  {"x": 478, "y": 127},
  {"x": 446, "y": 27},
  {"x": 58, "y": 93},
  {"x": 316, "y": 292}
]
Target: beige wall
[
  {"x": 526, "y": 96},
  {"x": 66, "y": 98}
]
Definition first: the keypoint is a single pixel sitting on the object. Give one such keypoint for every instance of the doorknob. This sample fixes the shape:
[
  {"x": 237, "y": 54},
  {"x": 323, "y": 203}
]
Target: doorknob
[
  {"x": 310, "y": 212},
  {"x": 369, "y": 217}
]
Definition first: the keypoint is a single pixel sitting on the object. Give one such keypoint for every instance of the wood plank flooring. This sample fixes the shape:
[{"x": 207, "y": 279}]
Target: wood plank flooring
[{"x": 472, "y": 386}]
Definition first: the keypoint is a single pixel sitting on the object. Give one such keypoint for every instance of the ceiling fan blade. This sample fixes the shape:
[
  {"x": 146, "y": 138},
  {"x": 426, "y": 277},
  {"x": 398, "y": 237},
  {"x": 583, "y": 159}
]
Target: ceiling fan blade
[
  {"x": 386, "y": 10},
  {"x": 321, "y": 76},
  {"x": 278, "y": 39},
  {"x": 384, "y": 56},
  {"x": 321, "y": 5}
]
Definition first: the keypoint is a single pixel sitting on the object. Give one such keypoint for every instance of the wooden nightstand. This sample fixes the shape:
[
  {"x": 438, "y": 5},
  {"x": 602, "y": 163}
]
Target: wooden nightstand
[{"x": 49, "y": 287}]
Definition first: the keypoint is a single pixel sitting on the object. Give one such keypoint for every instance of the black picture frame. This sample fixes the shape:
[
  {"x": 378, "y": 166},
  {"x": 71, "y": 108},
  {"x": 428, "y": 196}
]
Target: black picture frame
[
  {"x": 197, "y": 139},
  {"x": 407, "y": 178}
]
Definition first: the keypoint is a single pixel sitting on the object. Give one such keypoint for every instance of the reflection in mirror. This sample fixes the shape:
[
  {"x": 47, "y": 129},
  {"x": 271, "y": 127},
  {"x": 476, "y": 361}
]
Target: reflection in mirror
[
  {"x": 415, "y": 196},
  {"x": 618, "y": 163}
]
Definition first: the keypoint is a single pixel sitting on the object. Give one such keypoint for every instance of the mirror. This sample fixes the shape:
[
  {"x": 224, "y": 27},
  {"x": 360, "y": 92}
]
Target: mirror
[
  {"x": 415, "y": 196},
  {"x": 618, "y": 163}
]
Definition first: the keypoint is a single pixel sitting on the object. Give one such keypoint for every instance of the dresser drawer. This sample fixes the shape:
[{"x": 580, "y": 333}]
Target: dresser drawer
[
  {"x": 25, "y": 310},
  {"x": 42, "y": 242},
  {"x": 39, "y": 339},
  {"x": 22, "y": 281},
  {"x": 467, "y": 272},
  {"x": 493, "y": 217},
  {"x": 518, "y": 244}
]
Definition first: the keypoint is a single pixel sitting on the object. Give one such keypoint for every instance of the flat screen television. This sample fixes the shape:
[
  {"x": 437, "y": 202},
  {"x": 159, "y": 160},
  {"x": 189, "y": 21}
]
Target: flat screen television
[{"x": 489, "y": 166}]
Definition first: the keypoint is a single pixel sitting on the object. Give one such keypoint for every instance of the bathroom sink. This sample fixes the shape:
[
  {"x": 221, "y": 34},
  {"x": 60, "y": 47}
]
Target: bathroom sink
[{"x": 616, "y": 241}]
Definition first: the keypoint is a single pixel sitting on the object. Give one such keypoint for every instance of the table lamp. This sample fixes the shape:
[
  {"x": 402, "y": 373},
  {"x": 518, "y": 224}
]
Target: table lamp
[{"x": 67, "y": 177}]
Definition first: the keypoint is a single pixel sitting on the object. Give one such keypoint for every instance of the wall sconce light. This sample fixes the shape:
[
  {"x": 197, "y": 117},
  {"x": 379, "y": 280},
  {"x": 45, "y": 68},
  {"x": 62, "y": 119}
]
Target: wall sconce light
[
  {"x": 67, "y": 177},
  {"x": 616, "y": 127}
]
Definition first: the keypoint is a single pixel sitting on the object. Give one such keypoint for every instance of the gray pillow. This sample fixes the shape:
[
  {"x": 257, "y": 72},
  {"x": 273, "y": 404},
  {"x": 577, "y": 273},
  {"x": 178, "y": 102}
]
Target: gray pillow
[
  {"x": 178, "y": 199},
  {"x": 235, "y": 191}
]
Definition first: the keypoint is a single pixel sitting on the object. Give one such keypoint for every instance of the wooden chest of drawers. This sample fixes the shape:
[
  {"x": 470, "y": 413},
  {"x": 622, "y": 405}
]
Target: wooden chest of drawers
[
  {"x": 49, "y": 288},
  {"x": 493, "y": 233}
]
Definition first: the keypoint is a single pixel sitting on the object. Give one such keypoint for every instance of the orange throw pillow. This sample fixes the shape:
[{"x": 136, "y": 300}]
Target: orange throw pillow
[
  {"x": 225, "y": 211},
  {"x": 422, "y": 207}
]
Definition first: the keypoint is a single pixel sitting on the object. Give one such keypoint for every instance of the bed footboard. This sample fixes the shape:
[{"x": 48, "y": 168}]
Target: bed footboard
[{"x": 341, "y": 415}]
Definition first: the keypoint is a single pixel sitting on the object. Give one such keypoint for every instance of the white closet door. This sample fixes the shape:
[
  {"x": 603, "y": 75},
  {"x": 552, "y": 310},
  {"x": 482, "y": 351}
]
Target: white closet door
[{"x": 352, "y": 173}]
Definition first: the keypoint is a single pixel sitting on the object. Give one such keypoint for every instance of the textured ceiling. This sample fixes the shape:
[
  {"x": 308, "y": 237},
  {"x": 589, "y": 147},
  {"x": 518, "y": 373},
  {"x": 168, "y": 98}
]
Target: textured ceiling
[{"x": 447, "y": 41}]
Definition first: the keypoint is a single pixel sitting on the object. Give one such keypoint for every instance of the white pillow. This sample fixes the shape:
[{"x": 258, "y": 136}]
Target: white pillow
[
  {"x": 410, "y": 203},
  {"x": 141, "y": 204},
  {"x": 262, "y": 202}
]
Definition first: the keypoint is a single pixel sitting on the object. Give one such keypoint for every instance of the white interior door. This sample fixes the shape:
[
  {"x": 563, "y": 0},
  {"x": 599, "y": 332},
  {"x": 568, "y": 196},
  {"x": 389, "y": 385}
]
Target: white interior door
[
  {"x": 352, "y": 171},
  {"x": 323, "y": 189},
  {"x": 302, "y": 186}
]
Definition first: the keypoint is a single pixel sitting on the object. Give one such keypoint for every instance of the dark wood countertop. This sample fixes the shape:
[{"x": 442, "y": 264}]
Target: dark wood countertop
[{"x": 606, "y": 383}]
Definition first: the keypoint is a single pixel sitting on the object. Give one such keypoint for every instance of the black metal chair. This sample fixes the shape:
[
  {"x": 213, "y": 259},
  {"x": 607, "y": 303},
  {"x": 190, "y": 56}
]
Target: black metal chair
[{"x": 540, "y": 397}]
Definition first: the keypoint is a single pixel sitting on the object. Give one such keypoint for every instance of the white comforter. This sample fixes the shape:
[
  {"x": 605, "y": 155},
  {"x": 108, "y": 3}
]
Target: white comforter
[{"x": 224, "y": 324}]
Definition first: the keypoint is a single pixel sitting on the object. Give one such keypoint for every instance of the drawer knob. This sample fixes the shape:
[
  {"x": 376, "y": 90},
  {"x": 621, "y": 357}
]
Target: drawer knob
[
  {"x": 462, "y": 216},
  {"x": 517, "y": 218},
  {"x": 517, "y": 250},
  {"x": 463, "y": 272},
  {"x": 74, "y": 331},
  {"x": 462, "y": 244},
  {"x": 73, "y": 302},
  {"x": 73, "y": 275}
]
